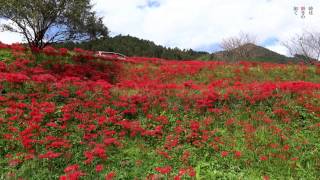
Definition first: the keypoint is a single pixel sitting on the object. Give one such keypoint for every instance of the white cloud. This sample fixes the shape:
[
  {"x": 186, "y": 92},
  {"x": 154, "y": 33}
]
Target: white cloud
[
  {"x": 9, "y": 37},
  {"x": 203, "y": 23},
  {"x": 279, "y": 49},
  {"x": 195, "y": 24}
]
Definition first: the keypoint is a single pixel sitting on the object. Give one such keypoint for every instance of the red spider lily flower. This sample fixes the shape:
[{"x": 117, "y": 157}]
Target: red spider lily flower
[
  {"x": 15, "y": 162},
  {"x": 194, "y": 125},
  {"x": 150, "y": 133},
  {"x": 217, "y": 139},
  {"x": 110, "y": 112},
  {"x": 71, "y": 168},
  {"x": 224, "y": 153},
  {"x": 63, "y": 51},
  {"x": 286, "y": 147},
  {"x": 101, "y": 120},
  {"x": 267, "y": 120},
  {"x": 191, "y": 172},
  {"x": 178, "y": 129},
  {"x": 103, "y": 84},
  {"x": 49, "y": 155},
  {"x": 13, "y": 129},
  {"x": 27, "y": 142},
  {"x": 266, "y": 177},
  {"x": 4, "y": 99},
  {"x": 50, "y": 51},
  {"x": 75, "y": 175},
  {"x": 280, "y": 112},
  {"x": 286, "y": 120},
  {"x": 52, "y": 124},
  {"x": 162, "y": 119},
  {"x": 99, "y": 168},
  {"x": 229, "y": 122},
  {"x": 29, "y": 156},
  {"x": 59, "y": 143},
  {"x": 3, "y": 66},
  {"x": 153, "y": 177},
  {"x": 237, "y": 154},
  {"x": 149, "y": 116},
  {"x": 110, "y": 176},
  {"x": 17, "y": 47},
  {"x": 99, "y": 151},
  {"x": 66, "y": 117},
  {"x": 109, "y": 141},
  {"x": 109, "y": 132},
  {"x": 249, "y": 128},
  {"x": 35, "y": 49},
  {"x": 164, "y": 170},
  {"x": 281, "y": 156},
  {"x": 171, "y": 142},
  {"x": 89, "y": 156},
  {"x": 63, "y": 177},
  {"x": 164, "y": 154},
  {"x": 182, "y": 172},
  {"x": 8, "y": 136},
  {"x": 3, "y": 46},
  {"x": 274, "y": 145},
  {"x": 207, "y": 121},
  {"x": 263, "y": 158},
  {"x": 185, "y": 156},
  {"x": 14, "y": 77},
  {"x": 43, "y": 78}
]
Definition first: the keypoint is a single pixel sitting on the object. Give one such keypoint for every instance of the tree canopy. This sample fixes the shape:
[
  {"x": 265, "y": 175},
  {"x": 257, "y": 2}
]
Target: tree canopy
[
  {"x": 132, "y": 46},
  {"x": 43, "y": 22}
]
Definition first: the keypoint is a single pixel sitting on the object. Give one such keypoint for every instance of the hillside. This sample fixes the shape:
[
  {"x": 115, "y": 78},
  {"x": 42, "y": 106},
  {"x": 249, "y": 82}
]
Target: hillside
[
  {"x": 71, "y": 115},
  {"x": 132, "y": 46},
  {"x": 255, "y": 53}
]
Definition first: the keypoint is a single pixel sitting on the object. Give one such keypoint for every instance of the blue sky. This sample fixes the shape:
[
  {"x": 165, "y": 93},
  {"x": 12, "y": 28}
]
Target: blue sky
[
  {"x": 203, "y": 24},
  {"x": 150, "y": 4}
]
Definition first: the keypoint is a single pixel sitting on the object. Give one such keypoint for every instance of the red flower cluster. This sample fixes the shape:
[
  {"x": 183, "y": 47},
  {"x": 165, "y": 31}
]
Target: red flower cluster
[{"x": 99, "y": 118}]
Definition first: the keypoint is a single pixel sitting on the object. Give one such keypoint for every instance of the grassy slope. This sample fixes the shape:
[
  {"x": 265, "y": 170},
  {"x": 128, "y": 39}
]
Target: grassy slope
[{"x": 211, "y": 110}]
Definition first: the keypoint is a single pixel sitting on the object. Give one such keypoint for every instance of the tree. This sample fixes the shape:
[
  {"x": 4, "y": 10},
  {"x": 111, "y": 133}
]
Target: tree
[
  {"x": 94, "y": 27},
  {"x": 43, "y": 22},
  {"x": 305, "y": 46},
  {"x": 238, "y": 46}
]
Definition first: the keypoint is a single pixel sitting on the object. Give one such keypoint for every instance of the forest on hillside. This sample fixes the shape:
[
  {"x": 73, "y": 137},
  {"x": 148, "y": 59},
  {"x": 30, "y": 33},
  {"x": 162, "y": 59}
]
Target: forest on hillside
[{"x": 133, "y": 46}]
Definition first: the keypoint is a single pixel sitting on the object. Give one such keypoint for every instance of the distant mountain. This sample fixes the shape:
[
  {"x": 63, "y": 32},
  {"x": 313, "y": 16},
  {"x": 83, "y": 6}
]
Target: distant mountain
[{"x": 251, "y": 52}]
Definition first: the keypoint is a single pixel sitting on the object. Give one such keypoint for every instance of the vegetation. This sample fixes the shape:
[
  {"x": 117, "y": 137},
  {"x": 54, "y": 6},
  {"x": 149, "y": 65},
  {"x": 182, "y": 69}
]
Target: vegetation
[
  {"x": 70, "y": 115},
  {"x": 236, "y": 48},
  {"x": 132, "y": 46},
  {"x": 253, "y": 53},
  {"x": 43, "y": 22},
  {"x": 305, "y": 46}
]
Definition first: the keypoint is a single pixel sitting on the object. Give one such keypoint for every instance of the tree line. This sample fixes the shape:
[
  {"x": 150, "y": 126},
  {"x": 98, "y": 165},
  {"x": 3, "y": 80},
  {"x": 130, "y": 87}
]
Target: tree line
[{"x": 132, "y": 46}]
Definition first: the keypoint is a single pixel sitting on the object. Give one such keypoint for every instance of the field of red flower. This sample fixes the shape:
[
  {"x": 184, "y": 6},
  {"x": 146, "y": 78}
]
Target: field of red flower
[{"x": 70, "y": 115}]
